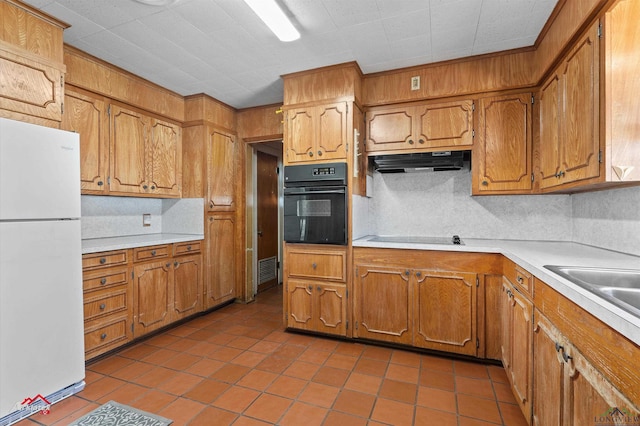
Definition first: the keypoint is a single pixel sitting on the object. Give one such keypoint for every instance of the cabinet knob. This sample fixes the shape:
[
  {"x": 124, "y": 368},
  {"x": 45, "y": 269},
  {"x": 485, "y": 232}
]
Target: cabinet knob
[
  {"x": 310, "y": 288},
  {"x": 319, "y": 288},
  {"x": 319, "y": 153},
  {"x": 566, "y": 356},
  {"x": 103, "y": 336},
  {"x": 102, "y": 306},
  {"x": 100, "y": 183},
  {"x": 103, "y": 260},
  {"x": 406, "y": 272},
  {"x": 418, "y": 274},
  {"x": 168, "y": 265},
  {"x": 175, "y": 264},
  {"x": 103, "y": 281},
  {"x": 421, "y": 141},
  {"x": 485, "y": 183},
  {"x": 310, "y": 154},
  {"x": 153, "y": 187},
  {"x": 559, "y": 347},
  {"x": 145, "y": 187},
  {"x": 410, "y": 141}
]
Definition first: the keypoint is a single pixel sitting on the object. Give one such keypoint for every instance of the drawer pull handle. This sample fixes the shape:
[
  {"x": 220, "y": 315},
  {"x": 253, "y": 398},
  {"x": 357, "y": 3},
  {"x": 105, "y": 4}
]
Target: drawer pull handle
[
  {"x": 103, "y": 281},
  {"x": 103, "y": 336},
  {"x": 103, "y": 260},
  {"x": 102, "y": 306},
  {"x": 314, "y": 265},
  {"x": 153, "y": 252},
  {"x": 519, "y": 279},
  {"x": 210, "y": 206},
  {"x": 188, "y": 248}
]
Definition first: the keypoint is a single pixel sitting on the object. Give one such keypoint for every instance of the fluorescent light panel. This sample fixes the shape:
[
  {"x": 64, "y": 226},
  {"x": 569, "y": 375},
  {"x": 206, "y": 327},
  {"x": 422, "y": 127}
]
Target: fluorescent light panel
[{"x": 274, "y": 18}]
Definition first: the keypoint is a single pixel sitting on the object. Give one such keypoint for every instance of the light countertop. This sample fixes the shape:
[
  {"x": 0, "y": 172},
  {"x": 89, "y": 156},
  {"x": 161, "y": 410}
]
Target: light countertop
[
  {"x": 96, "y": 245},
  {"x": 533, "y": 255}
]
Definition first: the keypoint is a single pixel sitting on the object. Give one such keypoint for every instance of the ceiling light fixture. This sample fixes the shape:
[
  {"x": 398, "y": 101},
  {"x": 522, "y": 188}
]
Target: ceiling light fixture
[{"x": 273, "y": 16}]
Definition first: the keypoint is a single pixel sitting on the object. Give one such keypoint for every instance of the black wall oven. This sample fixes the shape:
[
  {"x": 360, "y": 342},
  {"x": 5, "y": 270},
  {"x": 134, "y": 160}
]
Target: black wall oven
[{"x": 315, "y": 203}]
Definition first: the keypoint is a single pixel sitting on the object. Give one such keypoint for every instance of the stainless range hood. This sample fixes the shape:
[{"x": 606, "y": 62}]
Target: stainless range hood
[{"x": 422, "y": 161}]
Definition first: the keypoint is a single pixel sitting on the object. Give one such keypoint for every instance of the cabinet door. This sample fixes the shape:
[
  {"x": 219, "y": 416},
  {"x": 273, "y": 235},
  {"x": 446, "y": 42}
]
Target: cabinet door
[
  {"x": 444, "y": 125},
  {"x": 187, "y": 286},
  {"x": 331, "y": 138},
  {"x": 300, "y": 302},
  {"x": 152, "y": 294},
  {"x": 300, "y": 135},
  {"x": 129, "y": 132},
  {"x": 581, "y": 137},
  {"x": 221, "y": 266},
  {"x": 502, "y": 152},
  {"x": 383, "y": 304},
  {"x": 521, "y": 351},
  {"x": 88, "y": 117},
  {"x": 445, "y": 311},
  {"x": 549, "y": 105},
  {"x": 548, "y": 373},
  {"x": 390, "y": 129},
  {"x": 221, "y": 175},
  {"x": 165, "y": 173},
  {"x": 331, "y": 308}
]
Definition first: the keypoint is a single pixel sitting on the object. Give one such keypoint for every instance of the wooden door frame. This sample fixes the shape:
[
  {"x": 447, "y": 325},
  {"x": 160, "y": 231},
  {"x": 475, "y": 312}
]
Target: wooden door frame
[{"x": 268, "y": 147}]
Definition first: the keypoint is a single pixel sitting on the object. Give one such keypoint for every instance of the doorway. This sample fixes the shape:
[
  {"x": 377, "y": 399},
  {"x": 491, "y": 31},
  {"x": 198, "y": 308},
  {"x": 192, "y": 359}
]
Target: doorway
[{"x": 266, "y": 215}]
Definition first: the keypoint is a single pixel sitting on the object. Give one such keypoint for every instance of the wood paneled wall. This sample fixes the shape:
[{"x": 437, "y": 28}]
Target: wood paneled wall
[
  {"x": 336, "y": 82},
  {"x": 95, "y": 75},
  {"x": 260, "y": 123}
]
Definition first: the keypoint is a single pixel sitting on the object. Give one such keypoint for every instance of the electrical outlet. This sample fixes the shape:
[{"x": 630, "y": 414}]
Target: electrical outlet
[
  {"x": 146, "y": 219},
  {"x": 415, "y": 83}
]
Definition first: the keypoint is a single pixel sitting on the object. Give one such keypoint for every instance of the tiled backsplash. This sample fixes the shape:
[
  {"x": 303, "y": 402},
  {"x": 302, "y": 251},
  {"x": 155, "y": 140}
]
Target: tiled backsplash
[
  {"x": 121, "y": 216},
  {"x": 440, "y": 204}
]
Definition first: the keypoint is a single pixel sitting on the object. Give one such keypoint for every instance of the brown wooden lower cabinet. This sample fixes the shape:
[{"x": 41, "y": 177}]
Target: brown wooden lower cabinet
[
  {"x": 129, "y": 293},
  {"x": 220, "y": 272},
  {"x": 569, "y": 390},
  {"x": 317, "y": 306}
]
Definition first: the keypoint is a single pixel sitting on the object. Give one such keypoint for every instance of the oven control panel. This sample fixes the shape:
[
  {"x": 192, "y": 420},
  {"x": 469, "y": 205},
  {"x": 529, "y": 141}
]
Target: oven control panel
[{"x": 318, "y": 171}]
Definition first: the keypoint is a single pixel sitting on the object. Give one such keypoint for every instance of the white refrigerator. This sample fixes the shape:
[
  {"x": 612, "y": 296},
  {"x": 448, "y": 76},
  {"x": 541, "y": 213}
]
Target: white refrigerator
[{"x": 41, "y": 309}]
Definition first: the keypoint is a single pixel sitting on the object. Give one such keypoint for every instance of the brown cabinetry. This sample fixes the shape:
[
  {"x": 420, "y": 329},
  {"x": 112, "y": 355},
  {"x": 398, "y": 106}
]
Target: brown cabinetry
[
  {"x": 167, "y": 285},
  {"x": 222, "y": 161},
  {"x": 220, "y": 274},
  {"x": 31, "y": 66},
  {"x": 517, "y": 343},
  {"x": 146, "y": 154},
  {"x": 569, "y": 390},
  {"x": 316, "y": 133},
  {"x": 108, "y": 301},
  {"x": 569, "y": 116},
  {"x": 316, "y": 288},
  {"x": 424, "y": 127},
  {"x": 502, "y": 151}
]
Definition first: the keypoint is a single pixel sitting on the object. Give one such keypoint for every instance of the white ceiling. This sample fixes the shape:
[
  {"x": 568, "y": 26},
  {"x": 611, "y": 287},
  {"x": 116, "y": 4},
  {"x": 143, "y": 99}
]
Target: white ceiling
[{"x": 219, "y": 47}]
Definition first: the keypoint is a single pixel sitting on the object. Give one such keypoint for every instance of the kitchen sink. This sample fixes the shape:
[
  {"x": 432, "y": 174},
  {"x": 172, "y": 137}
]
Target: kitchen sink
[{"x": 619, "y": 286}]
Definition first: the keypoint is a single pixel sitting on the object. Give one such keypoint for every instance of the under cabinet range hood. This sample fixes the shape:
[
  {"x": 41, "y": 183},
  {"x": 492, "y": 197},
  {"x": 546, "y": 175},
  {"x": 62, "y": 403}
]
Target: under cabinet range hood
[{"x": 421, "y": 161}]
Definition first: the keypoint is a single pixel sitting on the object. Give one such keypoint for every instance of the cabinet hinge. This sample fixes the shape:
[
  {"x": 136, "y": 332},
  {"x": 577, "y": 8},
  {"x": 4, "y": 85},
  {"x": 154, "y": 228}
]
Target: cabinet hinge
[
  {"x": 599, "y": 30},
  {"x": 532, "y": 177},
  {"x": 61, "y": 107},
  {"x": 278, "y": 264},
  {"x": 473, "y": 106},
  {"x": 277, "y": 170},
  {"x": 600, "y": 156},
  {"x": 347, "y": 324},
  {"x": 347, "y": 291},
  {"x": 477, "y": 282},
  {"x": 473, "y": 133},
  {"x": 109, "y": 110},
  {"x": 108, "y": 180},
  {"x": 61, "y": 81},
  {"x": 477, "y": 343},
  {"x": 532, "y": 99},
  {"x": 131, "y": 274},
  {"x": 356, "y": 325},
  {"x": 347, "y": 108},
  {"x": 132, "y": 327}
]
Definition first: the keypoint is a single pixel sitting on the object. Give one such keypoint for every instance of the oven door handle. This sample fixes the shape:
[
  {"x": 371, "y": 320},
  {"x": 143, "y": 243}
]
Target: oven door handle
[{"x": 301, "y": 191}]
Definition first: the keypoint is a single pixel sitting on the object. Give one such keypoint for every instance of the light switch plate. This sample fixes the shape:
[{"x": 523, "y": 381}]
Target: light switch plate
[
  {"x": 415, "y": 83},
  {"x": 146, "y": 219}
]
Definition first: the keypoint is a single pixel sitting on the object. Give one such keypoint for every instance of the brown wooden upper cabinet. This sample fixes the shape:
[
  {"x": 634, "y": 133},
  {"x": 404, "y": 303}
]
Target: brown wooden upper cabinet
[
  {"x": 221, "y": 175},
  {"x": 503, "y": 148},
  {"x": 316, "y": 133},
  {"x": 569, "y": 117},
  {"x": 425, "y": 127}
]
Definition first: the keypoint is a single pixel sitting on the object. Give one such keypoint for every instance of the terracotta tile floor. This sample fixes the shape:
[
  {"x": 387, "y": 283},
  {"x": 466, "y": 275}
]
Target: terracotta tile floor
[{"x": 237, "y": 366}]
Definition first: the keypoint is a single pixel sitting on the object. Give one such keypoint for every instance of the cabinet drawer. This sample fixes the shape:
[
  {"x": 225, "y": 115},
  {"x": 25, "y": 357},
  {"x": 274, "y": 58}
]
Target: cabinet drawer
[
  {"x": 104, "y": 259},
  {"x": 105, "y": 278},
  {"x": 188, "y": 247},
  {"x": 102, "y": 303},
  {"x": 518, "y": 276},
  {"x": 319, "y": 264},
  {"x": 150, "y": 253},
  {"x": 105, "y": 335}
]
